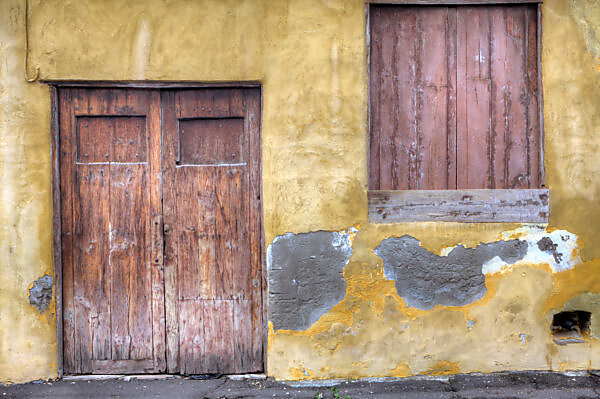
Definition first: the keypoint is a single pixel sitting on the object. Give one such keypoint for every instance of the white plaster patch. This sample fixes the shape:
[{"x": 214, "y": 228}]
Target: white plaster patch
[{"x": 560, "y": 257}]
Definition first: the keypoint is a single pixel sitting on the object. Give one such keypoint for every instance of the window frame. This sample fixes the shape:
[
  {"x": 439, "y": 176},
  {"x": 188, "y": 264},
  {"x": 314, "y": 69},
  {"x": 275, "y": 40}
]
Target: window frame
[{"x": 462, "y": 205}]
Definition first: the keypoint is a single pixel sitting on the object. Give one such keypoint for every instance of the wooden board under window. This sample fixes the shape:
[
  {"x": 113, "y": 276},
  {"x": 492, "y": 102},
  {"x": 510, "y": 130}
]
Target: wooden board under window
[{"x": 454, "y": 98}]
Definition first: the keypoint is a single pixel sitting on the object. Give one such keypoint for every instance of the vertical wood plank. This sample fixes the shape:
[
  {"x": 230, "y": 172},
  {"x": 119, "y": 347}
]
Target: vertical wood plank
[
  {"x": 406, "y": 102},
  {"x": 387, "y": 129},
  {"x": 123, "y": 235},
  {"x": 187, "y": 233},
  {"x": 500, "y": 129},
  {"x": 157, "y": 246},
  {"x": 518, "y": 99},
  {"x": 257, "y": 307},
  {"x": 533, "y": 116},
  {"x": 473, "y": 142},
  {"x": 91, "y": 271},
  {"x": 192, "y": 337},
  {"x": 461, "y": 98},
  {"x": 432, "y": 172},
  {"x": 95, "y": 273},
  {"x": 56, "y": 225},
  {"x": 242, "y": 336},
  {"x": 129, "y": 239},
  {"x": 169, "y": 158},
  {"x": 230, "y": 224},
  {"x": 140, "y": 283},
  {"x": 540, "y": 97},
  {"x": 81, "y": 105},
  {"x": 123, "y": 256},
  {"x": 451, "y": 102},
  {"x": 207, "y": 284},
  {"x": 375, "y": 110},
  {"x": 218, "y": 330},
  {"x": 67, "y": 172}
]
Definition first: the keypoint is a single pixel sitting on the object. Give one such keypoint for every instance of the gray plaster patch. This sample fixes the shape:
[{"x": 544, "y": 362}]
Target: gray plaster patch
[
  {"x": 425, "y": 279},
  {"x": 40, "y": 294},
  {"x": 305, "y": 277}
]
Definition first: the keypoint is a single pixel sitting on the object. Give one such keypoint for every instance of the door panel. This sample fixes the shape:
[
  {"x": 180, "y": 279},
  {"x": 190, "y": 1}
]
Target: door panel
[
  {"x": 108, "y": 154},
  {"x": 211, "y": 205},
  {"x": 161, "y": 231}
]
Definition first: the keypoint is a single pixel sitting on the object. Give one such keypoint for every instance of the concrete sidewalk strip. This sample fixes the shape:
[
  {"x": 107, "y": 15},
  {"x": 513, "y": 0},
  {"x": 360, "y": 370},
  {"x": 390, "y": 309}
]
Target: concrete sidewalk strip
[{"x": 545, "y": 385}]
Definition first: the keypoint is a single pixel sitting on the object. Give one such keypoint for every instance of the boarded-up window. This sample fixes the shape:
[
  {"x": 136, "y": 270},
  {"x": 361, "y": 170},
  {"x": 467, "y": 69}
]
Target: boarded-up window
[{"x": 454, "y": 100}]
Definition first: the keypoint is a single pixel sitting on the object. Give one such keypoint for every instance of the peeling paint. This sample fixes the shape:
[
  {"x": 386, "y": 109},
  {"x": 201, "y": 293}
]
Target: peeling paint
[
  {"x": 425, "y": 279},
  {"x": 40, "y": 294},
  {"x": 305, "y": 275},
  {"x": 558, "y": 249}
]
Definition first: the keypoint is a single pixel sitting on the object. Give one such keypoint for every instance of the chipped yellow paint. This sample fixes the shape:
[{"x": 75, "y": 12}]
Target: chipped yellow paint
[
  {"x": 401, "y": 370},
  {"x": 310, "y": 57},
  {"x": 443, "y": 367},
  {"x": 585, "y": 278},
  {"x": 301, "y": 373}
]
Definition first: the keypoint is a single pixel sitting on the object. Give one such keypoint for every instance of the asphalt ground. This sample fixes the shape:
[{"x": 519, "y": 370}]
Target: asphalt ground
[{"x": 547, "y": 385}]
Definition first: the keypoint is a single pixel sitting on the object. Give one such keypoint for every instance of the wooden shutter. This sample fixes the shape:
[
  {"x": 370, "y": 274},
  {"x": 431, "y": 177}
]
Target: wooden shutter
[{"x": 454, "y": 98}]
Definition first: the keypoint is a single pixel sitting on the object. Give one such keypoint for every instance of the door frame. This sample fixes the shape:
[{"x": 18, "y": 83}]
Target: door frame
[{"x": 55, "y": 86}]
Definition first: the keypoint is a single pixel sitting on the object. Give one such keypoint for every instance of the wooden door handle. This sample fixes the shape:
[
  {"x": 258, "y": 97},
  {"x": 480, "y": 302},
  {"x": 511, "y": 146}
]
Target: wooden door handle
[{"x": 166, "y": 228}]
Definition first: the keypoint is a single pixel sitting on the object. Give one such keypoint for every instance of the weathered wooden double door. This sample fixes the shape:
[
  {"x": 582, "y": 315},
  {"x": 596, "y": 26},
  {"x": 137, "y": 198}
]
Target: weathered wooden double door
[{"x": 161, "y": 230}]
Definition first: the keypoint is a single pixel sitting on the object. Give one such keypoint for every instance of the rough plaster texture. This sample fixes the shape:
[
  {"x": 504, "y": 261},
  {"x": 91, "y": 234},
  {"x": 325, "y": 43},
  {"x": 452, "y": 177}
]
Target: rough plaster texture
[
  {"x": 40, "y": 294},
  {"x": 27, "y": 339},
  {"x": 310, "y": 57},
  {"x": 305, "y": 276},
  {"x": 425, "y": 279},
  {"x": 571, "y": 73}
]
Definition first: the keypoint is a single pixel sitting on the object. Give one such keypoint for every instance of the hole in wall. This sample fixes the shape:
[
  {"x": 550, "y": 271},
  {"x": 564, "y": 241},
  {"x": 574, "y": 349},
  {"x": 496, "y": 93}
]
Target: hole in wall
[{"x": 571, "y": 327}]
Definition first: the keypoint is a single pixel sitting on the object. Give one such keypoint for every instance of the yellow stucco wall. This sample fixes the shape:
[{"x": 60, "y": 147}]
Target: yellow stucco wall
[{"x": 310, "y": 57}]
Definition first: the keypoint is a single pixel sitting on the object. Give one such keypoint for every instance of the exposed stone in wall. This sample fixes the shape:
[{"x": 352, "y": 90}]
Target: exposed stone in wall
[
  {"x": 40, "y": 294},
  {"x": 425, "y": 279},
  {"x": 547, "y": 245},
  {"x": 589, "y": 302},
  {"x": 305, "y": 276}
]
